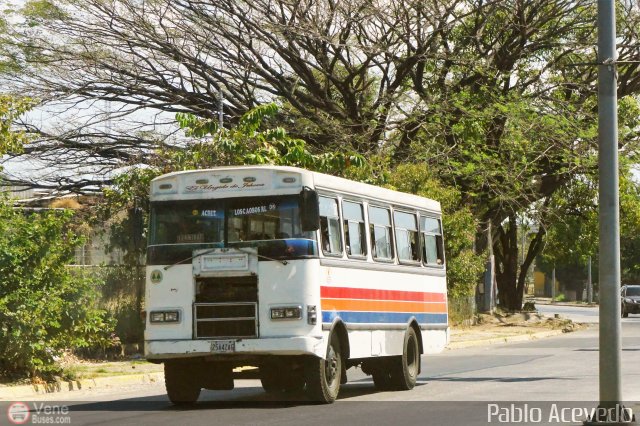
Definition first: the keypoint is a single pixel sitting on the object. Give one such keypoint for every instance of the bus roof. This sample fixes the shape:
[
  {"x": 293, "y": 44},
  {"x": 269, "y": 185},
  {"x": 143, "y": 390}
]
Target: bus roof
[{"x": 197, "y": 184}]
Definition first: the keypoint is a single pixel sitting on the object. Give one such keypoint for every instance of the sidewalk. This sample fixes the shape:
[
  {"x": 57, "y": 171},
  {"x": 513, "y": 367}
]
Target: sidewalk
[
  {"x": 491, "y": 331},
  {"x": 466, "y": 338},
  {"x": 495, "y": 329}
]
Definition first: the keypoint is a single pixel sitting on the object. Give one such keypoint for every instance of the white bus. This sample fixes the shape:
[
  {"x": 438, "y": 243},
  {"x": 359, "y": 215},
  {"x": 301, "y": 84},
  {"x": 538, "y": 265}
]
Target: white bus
[{"x": 298, "y": 273}]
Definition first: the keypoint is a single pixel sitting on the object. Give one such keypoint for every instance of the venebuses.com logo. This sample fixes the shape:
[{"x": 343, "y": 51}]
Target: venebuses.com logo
[{"x": 18, "y": 413}]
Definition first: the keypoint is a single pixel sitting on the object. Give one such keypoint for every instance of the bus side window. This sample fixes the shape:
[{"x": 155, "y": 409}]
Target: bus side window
[
  {"x": 380, "y": 229},
  {"x": 354, "y": 230},
  {"x": 406, "y": 236},
  {"x": 432, "y": 243},
  {"x": 330, "y": 239}
]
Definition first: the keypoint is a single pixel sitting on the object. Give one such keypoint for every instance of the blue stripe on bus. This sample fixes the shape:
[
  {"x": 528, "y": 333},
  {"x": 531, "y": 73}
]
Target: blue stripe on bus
[{"x": 383, "y": 317}]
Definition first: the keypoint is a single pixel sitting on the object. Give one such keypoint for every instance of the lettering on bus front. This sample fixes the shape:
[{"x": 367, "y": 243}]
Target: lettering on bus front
[{"x": 213, "y": 188}]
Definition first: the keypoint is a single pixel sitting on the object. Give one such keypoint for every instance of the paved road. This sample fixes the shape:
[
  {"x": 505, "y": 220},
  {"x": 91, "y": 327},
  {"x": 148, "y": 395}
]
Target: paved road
[
  {"x": 585, "y": 314},
  {"x": 455, "y": 388}
]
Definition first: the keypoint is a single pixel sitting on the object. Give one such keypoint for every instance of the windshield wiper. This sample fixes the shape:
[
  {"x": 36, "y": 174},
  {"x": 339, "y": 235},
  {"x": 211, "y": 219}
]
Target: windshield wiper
[{"x": 284, "y": 262}]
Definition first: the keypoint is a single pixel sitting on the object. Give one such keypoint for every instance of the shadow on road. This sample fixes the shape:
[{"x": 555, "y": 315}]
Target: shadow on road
[
  {"x": 498, "y": 379},
  {"x": 242, "y": 397}
]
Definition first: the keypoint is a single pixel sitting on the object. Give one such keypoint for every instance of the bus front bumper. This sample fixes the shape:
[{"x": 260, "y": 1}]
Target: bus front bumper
[{"x": 228, "y": 348}]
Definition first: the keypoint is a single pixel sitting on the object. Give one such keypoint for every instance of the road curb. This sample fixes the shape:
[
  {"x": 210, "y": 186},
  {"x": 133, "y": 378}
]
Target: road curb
[
  {"x": 504, "y": 339},
  {"x": 15, "y": 392},
  {"x": 571, "y": 305}
]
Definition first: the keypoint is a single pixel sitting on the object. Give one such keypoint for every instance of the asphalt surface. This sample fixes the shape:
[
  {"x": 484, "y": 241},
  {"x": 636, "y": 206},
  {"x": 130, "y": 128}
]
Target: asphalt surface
[
  {"x": 585, "y": 314},
  {"x": 471, "y": 386}
]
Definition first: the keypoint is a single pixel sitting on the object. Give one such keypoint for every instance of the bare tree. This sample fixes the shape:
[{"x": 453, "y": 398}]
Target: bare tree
[
  {"x": 496, "y": 96},
  {"x": 340, "y": 67}
]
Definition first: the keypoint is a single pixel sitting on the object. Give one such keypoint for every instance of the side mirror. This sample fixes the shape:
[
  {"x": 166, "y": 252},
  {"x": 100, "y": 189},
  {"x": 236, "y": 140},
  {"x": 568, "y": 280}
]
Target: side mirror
[{"x": 309, "y": 210}]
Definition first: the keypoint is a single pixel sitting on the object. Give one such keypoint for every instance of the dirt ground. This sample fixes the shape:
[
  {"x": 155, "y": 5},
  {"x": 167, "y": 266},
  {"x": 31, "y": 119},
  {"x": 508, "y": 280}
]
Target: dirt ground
[{"x": 498, "y": 325}]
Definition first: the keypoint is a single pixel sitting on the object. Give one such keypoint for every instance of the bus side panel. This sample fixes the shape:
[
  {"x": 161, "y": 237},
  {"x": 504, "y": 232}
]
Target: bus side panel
[
  {"x": 366, "y": 298},
  {"x": 433, "y": 341},
  {"x": 360, "y": 343},
  {"x": 388, "y": 342}
]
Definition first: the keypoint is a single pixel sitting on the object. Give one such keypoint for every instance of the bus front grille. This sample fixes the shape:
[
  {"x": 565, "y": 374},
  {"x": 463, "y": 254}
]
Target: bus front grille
[
  {"x": 226, "y": 289},
  {"x": 222, "y": 320}
]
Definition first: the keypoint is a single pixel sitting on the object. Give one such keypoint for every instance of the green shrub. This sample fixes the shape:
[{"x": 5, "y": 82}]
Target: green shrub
[
  {"x": 462, "y": 310},
  {"x": 45, "y": 306},
  {"x": 121, "y": 299}
]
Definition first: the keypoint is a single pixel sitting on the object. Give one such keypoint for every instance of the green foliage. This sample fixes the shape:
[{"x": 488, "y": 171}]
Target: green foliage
[
  {"x": 573, "y": 236},
  {"x": 11, "y": 108},
  {"x": 36, "y": 11},
  {"x": 45, "y": 306},
  {"x": 464, "y": 267},
  {"x": 251, "y": 142},
  {"x": 126, "y": 212},
  {"x": 120, "y": 299}
]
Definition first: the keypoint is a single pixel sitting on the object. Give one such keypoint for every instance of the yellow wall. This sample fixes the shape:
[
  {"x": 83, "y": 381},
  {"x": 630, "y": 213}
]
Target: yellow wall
[{"x": 538, "y": 283}]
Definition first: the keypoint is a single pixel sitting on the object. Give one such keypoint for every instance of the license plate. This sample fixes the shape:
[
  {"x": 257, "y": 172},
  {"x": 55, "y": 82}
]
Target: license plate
[{"x": 223, "y": 346}]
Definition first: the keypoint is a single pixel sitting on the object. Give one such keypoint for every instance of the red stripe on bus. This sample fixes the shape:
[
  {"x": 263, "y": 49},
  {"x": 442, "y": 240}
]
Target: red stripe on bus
[
  {"x": 375, "y": 294},
  {"x": 360, "y": 305}
]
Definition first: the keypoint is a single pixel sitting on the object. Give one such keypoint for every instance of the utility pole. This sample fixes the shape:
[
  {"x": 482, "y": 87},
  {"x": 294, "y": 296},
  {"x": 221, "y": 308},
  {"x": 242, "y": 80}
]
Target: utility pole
[
  {"x": 553, "y": 285},
  {"x": 610, "y": 410},
  {"x": 589, "y": 283}
]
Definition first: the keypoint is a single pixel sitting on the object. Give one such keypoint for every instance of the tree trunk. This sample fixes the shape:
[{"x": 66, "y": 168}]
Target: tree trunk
[
  {"x": 534, "y": 248},
  {"x": 510, "y": 276},
  {"x": 506, "y": 254}
]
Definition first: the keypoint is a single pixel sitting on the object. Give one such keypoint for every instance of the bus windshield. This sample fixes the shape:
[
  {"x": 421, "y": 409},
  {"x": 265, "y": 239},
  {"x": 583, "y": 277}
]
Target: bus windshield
[{"x": 179, "y": 227}]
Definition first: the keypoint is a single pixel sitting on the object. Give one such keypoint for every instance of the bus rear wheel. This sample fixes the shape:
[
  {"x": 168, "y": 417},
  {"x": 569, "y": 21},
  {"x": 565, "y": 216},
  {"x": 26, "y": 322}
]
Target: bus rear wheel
[
  {"x": 323, "y": 375},
  {"x": 181, "y": 384},
  {"x": 405, "y": 368}
]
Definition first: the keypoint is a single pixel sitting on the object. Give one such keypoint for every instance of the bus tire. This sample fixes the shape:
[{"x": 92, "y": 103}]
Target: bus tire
[
  {"x": 404, "y": 372},
  {"x": 322, "y": 376},
  {"x": 180, "y": 382}
]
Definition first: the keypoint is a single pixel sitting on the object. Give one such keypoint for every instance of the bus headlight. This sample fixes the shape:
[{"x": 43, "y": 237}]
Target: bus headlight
[
  {"x": 164, "y": 316},
  {"x": 286, "y": 312}
]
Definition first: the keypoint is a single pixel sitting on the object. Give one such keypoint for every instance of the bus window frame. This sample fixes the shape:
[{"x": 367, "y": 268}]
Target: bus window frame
[
  {"x": 372, "y": 242},
  {"x": 335, "y": 198},
  {"x": 364, "y": 240},
  {"x": 423, "y": 233},
  {"x": 416, "y": 216}
]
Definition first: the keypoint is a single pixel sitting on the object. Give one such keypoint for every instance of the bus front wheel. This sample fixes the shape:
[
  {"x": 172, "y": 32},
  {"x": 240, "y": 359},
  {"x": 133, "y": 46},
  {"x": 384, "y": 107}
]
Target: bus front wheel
[
  {"x": 180, "y": 381},
  {"x": 323, "y": 375}
]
